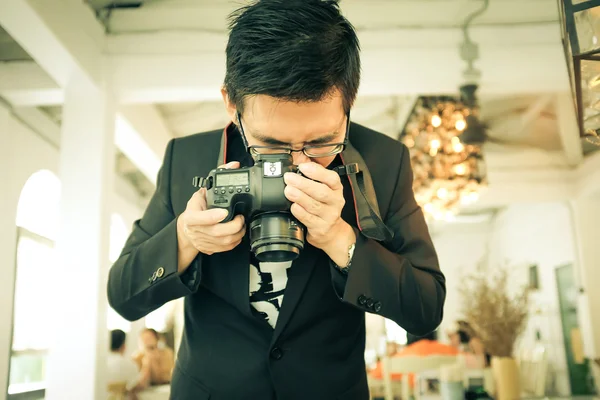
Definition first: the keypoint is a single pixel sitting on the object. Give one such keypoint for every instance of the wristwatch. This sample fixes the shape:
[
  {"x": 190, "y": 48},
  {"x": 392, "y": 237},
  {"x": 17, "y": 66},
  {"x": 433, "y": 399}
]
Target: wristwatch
[{"x": 344, "y": 270}]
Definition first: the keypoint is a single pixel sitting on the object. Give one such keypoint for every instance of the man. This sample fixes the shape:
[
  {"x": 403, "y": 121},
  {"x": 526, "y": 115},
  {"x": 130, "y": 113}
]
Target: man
[
  {"x": 154, "y": 362},
  {"x": 123, "y": 376},
  {"x": 264, "y": 331}
]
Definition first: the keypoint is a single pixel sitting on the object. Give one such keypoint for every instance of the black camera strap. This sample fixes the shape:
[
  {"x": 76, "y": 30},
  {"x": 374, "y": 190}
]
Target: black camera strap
[{"x": 368, "y": 216}]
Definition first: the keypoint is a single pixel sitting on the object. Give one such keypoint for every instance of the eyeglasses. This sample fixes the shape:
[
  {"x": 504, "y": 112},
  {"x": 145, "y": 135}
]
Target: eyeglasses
[{"x": 311, "y": 151}]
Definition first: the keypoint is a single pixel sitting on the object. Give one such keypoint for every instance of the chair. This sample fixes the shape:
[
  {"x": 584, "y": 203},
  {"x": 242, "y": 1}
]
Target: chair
[{"x": 411, "y": 365}]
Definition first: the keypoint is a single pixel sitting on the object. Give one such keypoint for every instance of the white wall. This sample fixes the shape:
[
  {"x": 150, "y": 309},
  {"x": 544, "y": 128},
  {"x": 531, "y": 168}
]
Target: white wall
[
  {"x": 539, "y": 234},
  {"x": 460, "y": 247},
  {"x": 519, "y": 235},
  {"x": 23, "y": 152}
]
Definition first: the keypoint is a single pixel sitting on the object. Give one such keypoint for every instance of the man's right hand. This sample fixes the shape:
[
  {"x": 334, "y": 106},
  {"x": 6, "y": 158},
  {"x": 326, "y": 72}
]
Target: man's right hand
[{"x": 201, "y": 230}]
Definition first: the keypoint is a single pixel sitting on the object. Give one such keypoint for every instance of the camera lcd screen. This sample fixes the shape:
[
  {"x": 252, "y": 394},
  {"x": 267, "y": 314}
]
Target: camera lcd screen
[{"x": 236, "y": 179}]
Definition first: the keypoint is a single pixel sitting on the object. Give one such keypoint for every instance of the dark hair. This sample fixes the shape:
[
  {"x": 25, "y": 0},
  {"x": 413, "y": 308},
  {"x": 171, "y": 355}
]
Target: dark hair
[
  {"x": 117, "y": 339},
  {"x": 294, "y": 50},
  {"x": 464, "y": 336},
  {"x": 153, "y": 332}
]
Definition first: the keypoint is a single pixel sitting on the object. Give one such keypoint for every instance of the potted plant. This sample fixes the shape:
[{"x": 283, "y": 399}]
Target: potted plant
[{"x": 497, "y": 312}]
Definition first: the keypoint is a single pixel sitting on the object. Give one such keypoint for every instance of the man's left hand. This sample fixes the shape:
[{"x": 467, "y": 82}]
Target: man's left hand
[{"x": 318, "y": 204}]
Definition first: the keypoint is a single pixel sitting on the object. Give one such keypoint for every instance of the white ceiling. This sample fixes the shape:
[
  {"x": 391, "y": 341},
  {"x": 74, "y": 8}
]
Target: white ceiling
[
  {"x": 504, "y": 115},
  {"x": 166, "y": 56}
]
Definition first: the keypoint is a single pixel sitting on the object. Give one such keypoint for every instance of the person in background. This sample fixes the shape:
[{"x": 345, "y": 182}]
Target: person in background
[
  {"x": 464, "y": 338},
  {"x": 156, "y": 361},
  {"x": 460, "y": 335},
  {"x": 479, "y": 358},
  {"x": 123, "y": 375}
]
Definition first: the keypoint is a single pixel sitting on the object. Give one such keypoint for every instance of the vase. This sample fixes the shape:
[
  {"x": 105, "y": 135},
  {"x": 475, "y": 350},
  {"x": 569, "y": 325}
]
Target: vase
[{"x": 506, "y": 377}]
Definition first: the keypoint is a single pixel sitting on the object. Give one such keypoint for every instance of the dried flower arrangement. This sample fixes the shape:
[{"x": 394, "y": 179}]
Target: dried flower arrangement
[{"x": 496, "y": 312}]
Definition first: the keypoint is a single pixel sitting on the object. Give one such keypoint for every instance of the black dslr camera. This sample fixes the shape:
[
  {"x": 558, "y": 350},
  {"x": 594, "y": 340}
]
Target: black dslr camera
[{"x": 257, "y": 193}]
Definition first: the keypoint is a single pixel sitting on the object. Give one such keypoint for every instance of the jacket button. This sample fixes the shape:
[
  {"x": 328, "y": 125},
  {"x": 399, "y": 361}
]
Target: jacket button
[
  {"x": 370, "y": 303},
  {"x": 276, "y": 353},
  {"x": 377, "y": 306},
  {"x": 362, "y": 299}
]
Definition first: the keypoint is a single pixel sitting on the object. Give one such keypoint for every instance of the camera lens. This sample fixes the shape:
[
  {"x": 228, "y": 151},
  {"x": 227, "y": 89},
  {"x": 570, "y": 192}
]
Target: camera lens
[{"x": 276, "y": 237}]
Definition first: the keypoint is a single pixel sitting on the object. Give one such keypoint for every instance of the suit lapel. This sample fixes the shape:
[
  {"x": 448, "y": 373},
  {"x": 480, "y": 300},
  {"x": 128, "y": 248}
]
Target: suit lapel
[{"x": 300, "y": 273}]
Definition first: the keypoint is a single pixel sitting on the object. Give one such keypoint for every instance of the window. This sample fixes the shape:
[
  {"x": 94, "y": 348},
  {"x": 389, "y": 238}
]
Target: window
[
  {"x": 394, "y": 332},
  {"x": 37, "y": 224}
]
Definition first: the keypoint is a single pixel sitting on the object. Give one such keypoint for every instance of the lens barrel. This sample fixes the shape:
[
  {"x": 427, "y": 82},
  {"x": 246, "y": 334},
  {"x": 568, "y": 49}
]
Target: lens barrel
[{"x": 276, "y": 237}]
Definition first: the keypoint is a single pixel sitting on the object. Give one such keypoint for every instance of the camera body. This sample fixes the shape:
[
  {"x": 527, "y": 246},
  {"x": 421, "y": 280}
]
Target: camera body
[{"x": 257, "y": 193}]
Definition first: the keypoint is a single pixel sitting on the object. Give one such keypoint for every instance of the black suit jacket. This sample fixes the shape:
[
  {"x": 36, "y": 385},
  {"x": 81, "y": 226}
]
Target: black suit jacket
[{"x": 316, "y": 350}]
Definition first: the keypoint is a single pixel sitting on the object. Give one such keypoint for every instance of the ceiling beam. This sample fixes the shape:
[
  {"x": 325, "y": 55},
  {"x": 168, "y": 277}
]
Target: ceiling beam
[
  {"x": 150, "y": 124},
  {"x": 64, "y": 38},
  {"x": 568, "y": 128},
  {"x": 25, "y": 83},
  {"x": 374, "y": 14},
  {"x": 40, "y": 122},
  {"x": 522, "y": 185},
  {"x": 426, "y": 39},
  {"x": 61, "y": 36},
  {"x": 157, "y": 68},
  {"x": 510, "y": 68}
]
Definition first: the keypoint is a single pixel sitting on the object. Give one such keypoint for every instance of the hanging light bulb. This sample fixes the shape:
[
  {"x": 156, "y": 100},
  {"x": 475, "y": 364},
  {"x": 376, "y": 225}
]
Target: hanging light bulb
[
  {"x": 460, "y": 169},
  {"x": 457, "y": 146},
  {"x": 428, "y": 208},
  {"x": 436, "y": 121},
  {"x": 460, "y": 125},
  {"x": 442, "y": 193}
]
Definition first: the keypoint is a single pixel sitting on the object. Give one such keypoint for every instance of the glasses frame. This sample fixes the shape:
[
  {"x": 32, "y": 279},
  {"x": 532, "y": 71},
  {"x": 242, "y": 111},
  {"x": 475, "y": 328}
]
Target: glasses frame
[{"x": 340, "y": 146}]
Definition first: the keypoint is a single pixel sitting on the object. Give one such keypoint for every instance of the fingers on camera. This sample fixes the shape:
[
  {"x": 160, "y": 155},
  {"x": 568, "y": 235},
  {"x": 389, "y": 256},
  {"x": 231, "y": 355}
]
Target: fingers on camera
[{"x": 230, "y": 165}]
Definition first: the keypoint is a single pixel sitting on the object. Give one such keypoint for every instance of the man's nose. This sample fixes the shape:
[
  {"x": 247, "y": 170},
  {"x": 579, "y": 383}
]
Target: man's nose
[{"x": 299, "y": 158}]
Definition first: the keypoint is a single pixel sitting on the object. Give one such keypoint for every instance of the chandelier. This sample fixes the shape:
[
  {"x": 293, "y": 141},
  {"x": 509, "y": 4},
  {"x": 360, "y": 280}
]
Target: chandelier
[
  {"x": 448, "y": 166},
  {"x": 444, "y": 135}
]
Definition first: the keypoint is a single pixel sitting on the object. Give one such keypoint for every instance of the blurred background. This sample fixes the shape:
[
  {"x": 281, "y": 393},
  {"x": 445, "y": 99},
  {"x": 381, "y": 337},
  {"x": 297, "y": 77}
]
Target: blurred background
[{"x": 497, "y": 101}]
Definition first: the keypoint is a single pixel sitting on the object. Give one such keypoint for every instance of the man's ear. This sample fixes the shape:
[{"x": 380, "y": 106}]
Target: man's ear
[{"x": 229, "y": 106}]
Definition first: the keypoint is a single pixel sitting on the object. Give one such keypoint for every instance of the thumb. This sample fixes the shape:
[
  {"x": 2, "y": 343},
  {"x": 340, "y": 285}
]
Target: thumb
[
  {"x": 231, "y": 165},
  {"x": 207, "y": 217},
  {"x": 198, "y": 201}
]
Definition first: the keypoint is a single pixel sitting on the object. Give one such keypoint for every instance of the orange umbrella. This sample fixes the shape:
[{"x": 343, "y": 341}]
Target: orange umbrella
[{"x": 426, "y": 347}]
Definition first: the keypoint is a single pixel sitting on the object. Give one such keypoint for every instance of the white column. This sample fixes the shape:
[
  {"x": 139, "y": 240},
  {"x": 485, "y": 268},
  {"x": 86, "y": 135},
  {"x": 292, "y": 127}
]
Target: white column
[
  {"x": 586, "y": 214},
  {"x": 8, "y": 240},
  {"x": 77, "y": 361}
]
